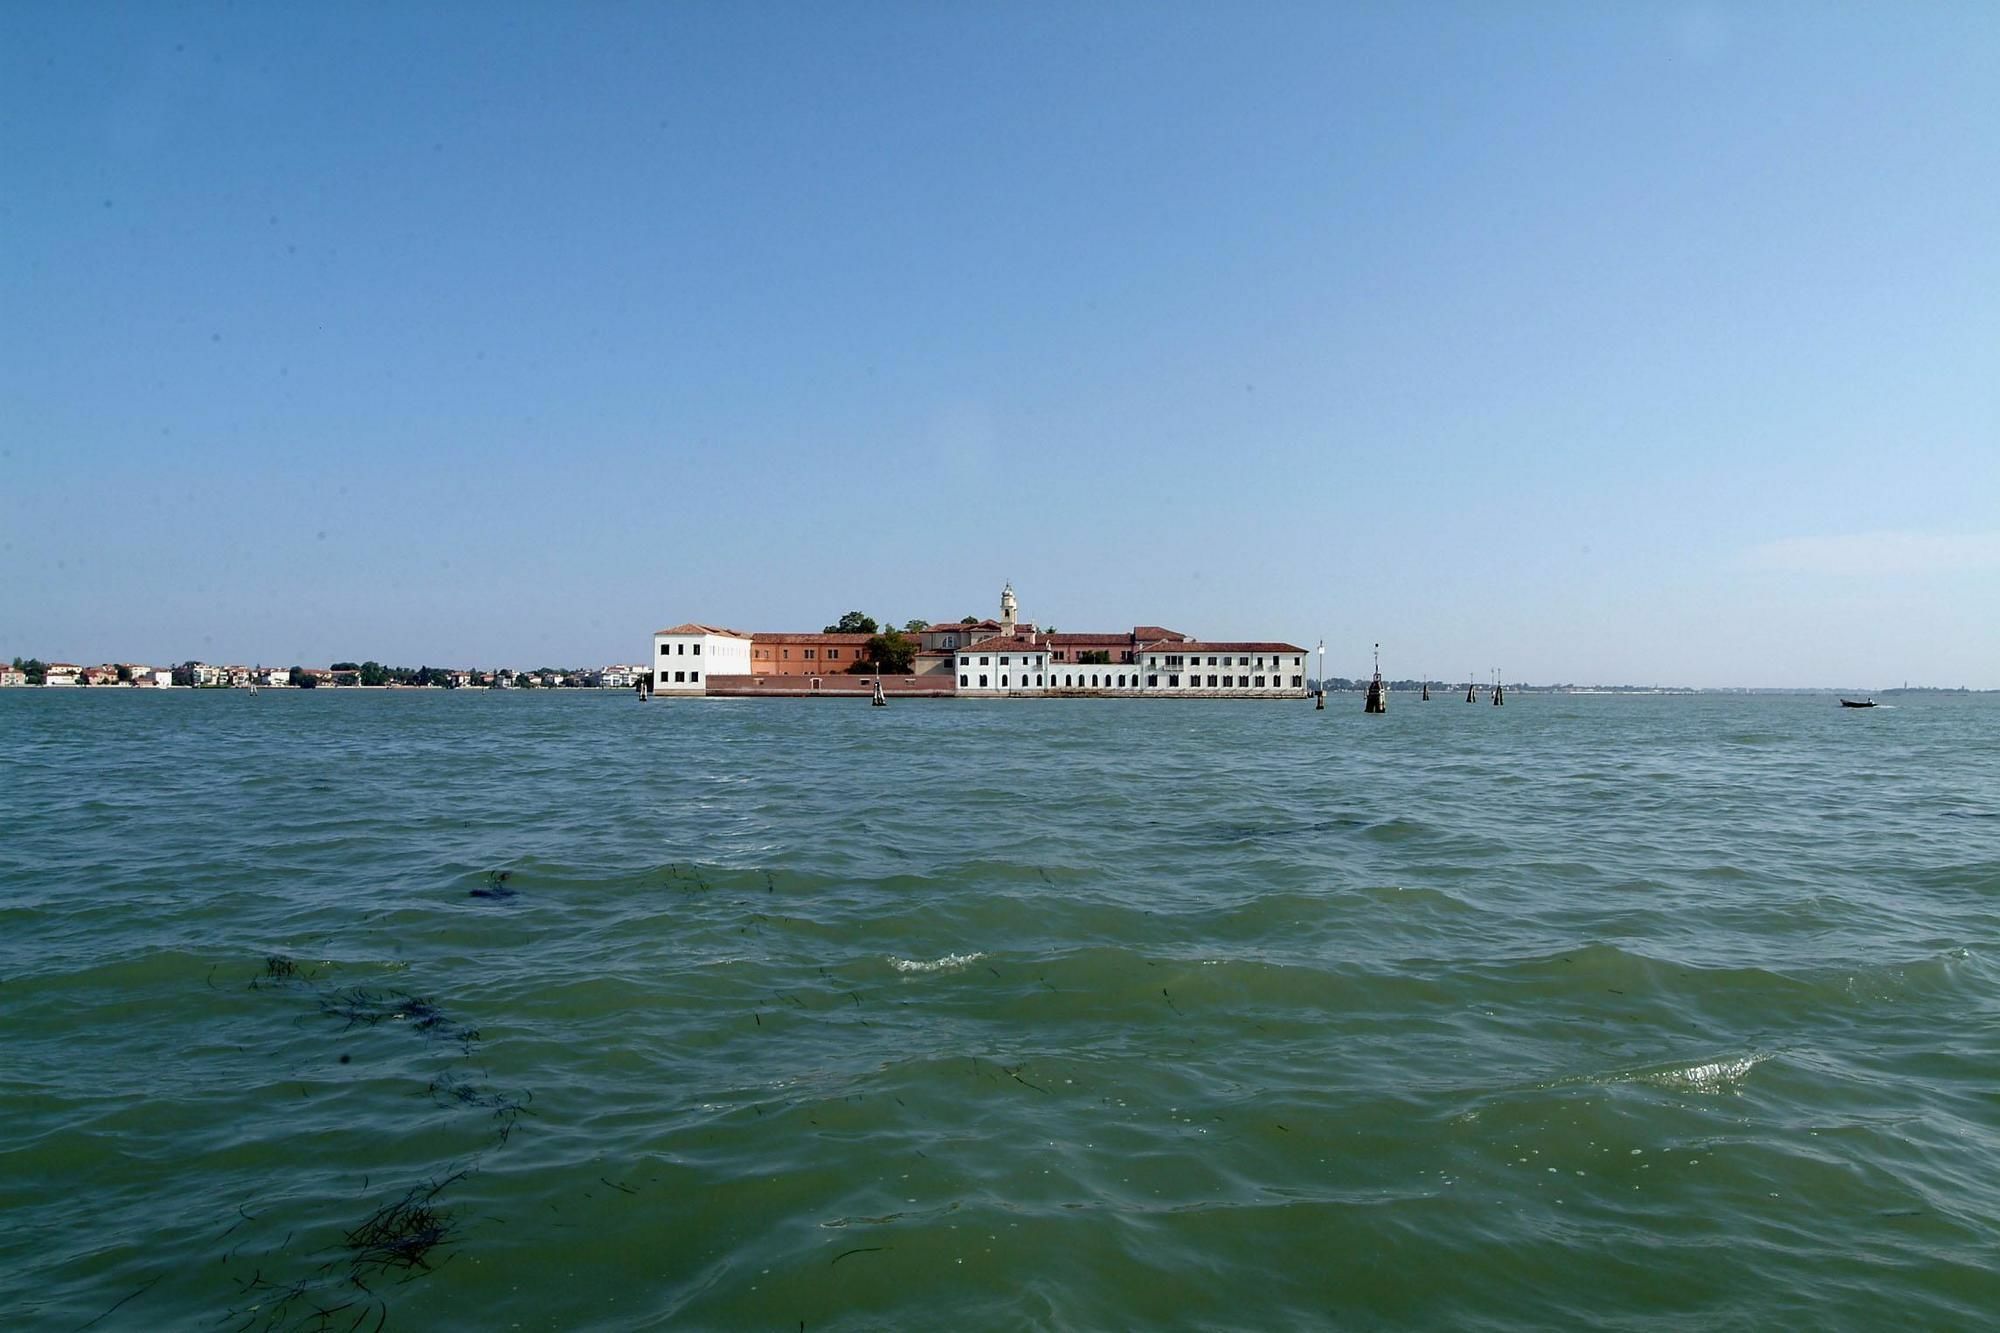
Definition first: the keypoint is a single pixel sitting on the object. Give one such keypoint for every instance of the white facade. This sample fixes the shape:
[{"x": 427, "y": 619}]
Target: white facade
[
  {"x": 1237, "y": 670},
  {"x": 1115, "y": 678},
  {"x": 1003, "y": 667},
  {"x": 685, "y": 656}
]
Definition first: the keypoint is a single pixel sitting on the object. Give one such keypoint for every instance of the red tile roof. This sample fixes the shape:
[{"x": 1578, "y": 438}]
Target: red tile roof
[
  {"x": 837, "y": 640},
  {"x": 1192, "y": 646},
  {"x": 692, "y": 628},
  {"x": 1003, "y": 644}
]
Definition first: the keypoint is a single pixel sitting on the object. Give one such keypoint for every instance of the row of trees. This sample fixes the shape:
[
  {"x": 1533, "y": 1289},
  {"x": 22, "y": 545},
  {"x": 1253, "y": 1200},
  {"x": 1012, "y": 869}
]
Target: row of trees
[
  {"x": 374, "y": 673},
  {"x": 854, "y": 622}
]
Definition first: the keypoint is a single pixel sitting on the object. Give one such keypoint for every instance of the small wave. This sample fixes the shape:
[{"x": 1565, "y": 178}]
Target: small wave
[
  {"x": 1710, "y": 1076},
  {"x": 949, "y": 963},
  {"x": 1715, "y": 1076}
]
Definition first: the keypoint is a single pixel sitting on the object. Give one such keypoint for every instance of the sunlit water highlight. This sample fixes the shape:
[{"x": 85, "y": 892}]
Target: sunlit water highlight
[{"x": 568, "y": 1012}]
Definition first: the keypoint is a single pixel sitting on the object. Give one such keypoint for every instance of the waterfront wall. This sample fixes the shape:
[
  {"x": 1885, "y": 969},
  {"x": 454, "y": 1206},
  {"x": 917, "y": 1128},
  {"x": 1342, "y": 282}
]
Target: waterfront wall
[{"x": 832, "y": 687}]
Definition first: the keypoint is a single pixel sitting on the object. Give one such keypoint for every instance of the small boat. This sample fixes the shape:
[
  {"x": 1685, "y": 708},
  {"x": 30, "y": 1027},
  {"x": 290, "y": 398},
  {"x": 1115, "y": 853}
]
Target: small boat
[{"x": 1857, "y": 703}]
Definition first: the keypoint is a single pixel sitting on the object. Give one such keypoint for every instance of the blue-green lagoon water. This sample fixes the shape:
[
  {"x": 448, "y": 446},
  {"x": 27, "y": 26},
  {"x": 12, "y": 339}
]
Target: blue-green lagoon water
[{"x": 430, "y": 1010}]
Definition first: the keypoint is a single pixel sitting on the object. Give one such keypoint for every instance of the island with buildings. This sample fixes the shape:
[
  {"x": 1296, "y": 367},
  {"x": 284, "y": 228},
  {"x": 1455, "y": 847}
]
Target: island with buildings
[{"x": 979, "y": 659}]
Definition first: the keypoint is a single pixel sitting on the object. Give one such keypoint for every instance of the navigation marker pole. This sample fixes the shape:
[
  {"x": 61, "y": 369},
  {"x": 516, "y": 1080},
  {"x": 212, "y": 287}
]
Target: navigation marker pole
[
  {"x": 1319, "y": 704},
  {"x": 1378, "y": 697}
]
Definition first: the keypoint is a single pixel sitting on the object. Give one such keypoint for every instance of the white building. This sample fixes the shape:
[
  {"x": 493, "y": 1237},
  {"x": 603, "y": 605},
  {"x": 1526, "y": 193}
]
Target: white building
[
  {"x": 1003, "y": 665},
  {"x": 1242, "y": 670},
  {"x": 685, "y": 656}
]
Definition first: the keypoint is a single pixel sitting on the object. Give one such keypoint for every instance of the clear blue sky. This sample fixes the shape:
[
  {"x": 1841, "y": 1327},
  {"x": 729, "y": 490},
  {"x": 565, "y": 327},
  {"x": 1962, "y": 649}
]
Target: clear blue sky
[{"x": 1635, "y": 343}]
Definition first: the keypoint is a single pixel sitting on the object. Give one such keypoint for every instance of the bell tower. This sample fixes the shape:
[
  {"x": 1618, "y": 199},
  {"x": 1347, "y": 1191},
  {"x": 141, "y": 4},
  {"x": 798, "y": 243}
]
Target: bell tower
[{"x": 1008, "y": 606}]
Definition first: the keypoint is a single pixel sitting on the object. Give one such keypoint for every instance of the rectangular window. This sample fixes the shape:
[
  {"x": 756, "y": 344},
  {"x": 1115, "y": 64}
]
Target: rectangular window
[
  {"x": 694, "y": 676},
  {"x": 1003, "y": 660},
  {"x": 1174, "y": 681},
  {"x": 697, "y": 650},
  {"x": 681, "y": 649},
  {"x": 833, "y": 654},
  {"x": 1211, "y": 661},
  {"x": 985, "y": 661},
  {"x": 665, "y": 649},
  {"x": 961, "y": 682},
  {"x": 1298, "y": 682},
  {"x": 663, "y": 678},
  {"x": 811, "y": 653},
  {"x": 681, "y": 676},
  {"x": 982, "y": 682},
  {"x": 785, "y": 653},
  {"x": 1260, "y": 682}
]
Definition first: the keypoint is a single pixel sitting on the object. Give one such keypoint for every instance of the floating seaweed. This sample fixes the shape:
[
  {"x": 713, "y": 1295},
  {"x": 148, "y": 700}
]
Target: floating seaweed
[
  {"x": 496, "y": 886},
  {"x": 360, "y": 1007},
  {"x": 280, "y": 971},
  {"x": 401, "y": 1235},
  {"x": 447, "y": 1089}
]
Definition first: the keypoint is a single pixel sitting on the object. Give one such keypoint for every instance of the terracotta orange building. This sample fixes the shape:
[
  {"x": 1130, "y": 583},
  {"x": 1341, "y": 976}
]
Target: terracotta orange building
[{"x": 781, "y": 654}]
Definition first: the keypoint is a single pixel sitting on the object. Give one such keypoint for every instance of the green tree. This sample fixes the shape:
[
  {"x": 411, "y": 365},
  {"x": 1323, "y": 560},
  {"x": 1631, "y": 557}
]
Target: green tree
[
  {"x": 345, "y": 666},
  {"x": 1095, "y": 657},
  {"x": 124, "y": 674},
  {"x": 891, "y": 652},
  {"x": 968, "y": 620},
  {"x": 34, "y": 668},
  {"x": 915, "y": 626},
  {"x": 853, "y": 623}
]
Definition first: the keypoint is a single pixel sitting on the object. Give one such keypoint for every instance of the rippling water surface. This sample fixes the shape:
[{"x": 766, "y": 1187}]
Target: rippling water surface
[{"x": 423, "y": 1010}]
